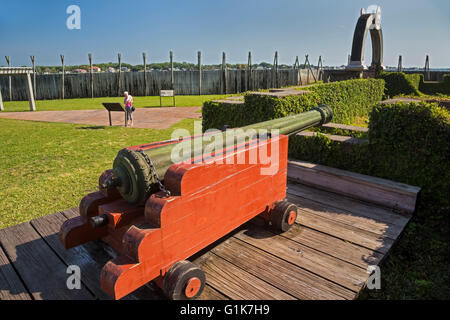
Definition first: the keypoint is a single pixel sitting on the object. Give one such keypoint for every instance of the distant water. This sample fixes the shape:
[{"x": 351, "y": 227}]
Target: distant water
[{"x": 419, "y": 69}]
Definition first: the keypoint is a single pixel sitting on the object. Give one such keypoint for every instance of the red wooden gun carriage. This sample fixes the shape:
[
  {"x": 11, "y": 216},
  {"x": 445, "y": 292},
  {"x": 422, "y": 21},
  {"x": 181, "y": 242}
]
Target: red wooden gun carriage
[{"x": 154, "y": 227}]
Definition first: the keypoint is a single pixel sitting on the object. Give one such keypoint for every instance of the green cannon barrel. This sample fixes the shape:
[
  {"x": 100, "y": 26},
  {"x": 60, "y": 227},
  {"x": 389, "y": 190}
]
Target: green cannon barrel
[{"x": 132, "y": 175}]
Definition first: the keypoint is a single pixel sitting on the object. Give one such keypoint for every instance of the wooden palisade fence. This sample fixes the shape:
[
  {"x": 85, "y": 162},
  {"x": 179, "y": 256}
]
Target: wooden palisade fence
[{"x": 185, "y": 82}]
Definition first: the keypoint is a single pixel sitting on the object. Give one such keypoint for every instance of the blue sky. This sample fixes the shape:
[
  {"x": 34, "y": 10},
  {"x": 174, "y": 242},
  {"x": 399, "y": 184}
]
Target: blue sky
[{"x": 412, "y": 28}]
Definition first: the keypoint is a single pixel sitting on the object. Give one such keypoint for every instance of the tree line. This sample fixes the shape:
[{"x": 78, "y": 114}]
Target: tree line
[{"x": 157, "y": 66}]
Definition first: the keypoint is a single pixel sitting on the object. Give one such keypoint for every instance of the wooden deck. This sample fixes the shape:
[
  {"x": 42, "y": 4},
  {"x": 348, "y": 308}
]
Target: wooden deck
[{"x": 325, "y": 255}]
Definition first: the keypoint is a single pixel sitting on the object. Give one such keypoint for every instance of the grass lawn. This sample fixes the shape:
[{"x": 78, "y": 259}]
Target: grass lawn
[
  {"x": 96, "y": 103},
  {"x": 46, "y": 167},
  {"x": 418, "y": 265}
]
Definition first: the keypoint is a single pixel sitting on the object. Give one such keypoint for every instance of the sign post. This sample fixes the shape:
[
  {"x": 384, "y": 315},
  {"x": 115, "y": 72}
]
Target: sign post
[
  {"x": 114, "y": 106},
  {"x": 62, "y": 76},
  {"x": 166, "y": 93}
]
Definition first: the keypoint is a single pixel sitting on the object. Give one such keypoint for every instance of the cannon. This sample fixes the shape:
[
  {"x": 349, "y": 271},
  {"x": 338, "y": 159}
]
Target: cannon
[{"x": 156, "y": 212}]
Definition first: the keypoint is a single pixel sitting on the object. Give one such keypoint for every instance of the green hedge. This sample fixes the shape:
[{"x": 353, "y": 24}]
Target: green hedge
[
  {"x": 432, "y": 87},
  {"x": 348, "y": 99},
  {"x": 216, "y": 114},
  {"x": 408, "y": 143},
  {"x": 320, "y": 149},
  {"x": 261, "y": 107},
  {"x": 398, "y": 83},
  {"x": 256, "y": 108}
]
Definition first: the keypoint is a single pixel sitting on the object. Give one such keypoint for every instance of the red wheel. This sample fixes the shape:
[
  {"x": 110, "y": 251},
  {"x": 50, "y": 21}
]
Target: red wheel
[
  {"x": 183, "y": 281},
  {"x": 283, "y": 216}
]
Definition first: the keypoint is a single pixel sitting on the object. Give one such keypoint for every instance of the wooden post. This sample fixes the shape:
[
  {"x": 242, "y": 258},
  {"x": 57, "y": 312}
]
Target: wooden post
[
  {"x": 62, "y": 77},
  {"x": 119, "y": 57},
  {"x": 110, "y": 121},
  {"x": 427, "y": 68},
  {"x": 296, "y": 63},
  {"x": 299, "y": 72},
  {"x": 144, "y": 57},
  {"x": 312, "y": 72},
  {"x": 224, "y": 72},
  {"x": 34, "y": 76},
  {"x": 275, "y": 68},
  {"x": 399, "y": 67},
  {"x": 8, "y": 60},
  {"x": 295, "y": 67},
  {"x": 91, "y": 75},
  {"x": 199, "y": 58},
  {"x": 319, "y": 69},
  {"x": 307, "y": 71},
  {"x": 30, "y": 92},
  {"x": 2, "y": 108},
  {"x": 172, "y": 80},
  {"x": 250, "y": 78},
  {"x": 308, "y": 65}
]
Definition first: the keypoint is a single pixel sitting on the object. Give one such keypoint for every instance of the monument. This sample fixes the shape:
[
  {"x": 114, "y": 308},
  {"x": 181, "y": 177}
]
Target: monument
[{"x": 369, "y": 20}]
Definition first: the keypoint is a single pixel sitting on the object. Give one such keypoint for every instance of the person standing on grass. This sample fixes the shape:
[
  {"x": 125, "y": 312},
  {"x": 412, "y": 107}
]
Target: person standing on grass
[{"x": 128, "y": 101}]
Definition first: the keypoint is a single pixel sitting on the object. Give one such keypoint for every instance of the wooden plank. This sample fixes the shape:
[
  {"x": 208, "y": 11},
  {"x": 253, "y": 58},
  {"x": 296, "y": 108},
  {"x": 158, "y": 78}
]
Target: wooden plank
[
  {"x": 345, "y": 127},
  {"x": 363, "y": 221},
  {"x": 11, "y": 287},
  {"x": 209, "y": 293},
  {"x": 43, "y": 273},
  {"x": 48, "y": 228},
  {"x": 335, "y": 247},
  {"x": 345, "y": 274},
  {"x": 100, "y": 253},
  {"x": 293, "y": 280},
  {"x": 235, "y": 282},
  {"x": 337, "y": 201},
  {"x": 346, "y": 232},
  {"x": 375, "y": 182},
  {"x": 71, "y": 213},
  {"x": 399, "y": 196},
  {"x": 333, "y": 137}
]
